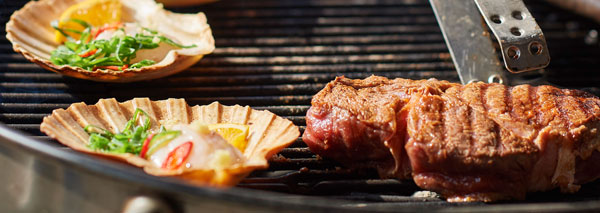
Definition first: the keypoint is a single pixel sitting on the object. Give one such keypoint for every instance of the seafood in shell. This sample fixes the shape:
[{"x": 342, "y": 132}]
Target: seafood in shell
[
  {"x": 31, "y": 34},
  {"x": 268, "y": 133}
]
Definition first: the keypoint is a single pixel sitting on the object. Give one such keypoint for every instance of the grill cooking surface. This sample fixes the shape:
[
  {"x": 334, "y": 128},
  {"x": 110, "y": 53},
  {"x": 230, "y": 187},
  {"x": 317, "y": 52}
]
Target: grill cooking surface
[{"x": 275, "y": 55}]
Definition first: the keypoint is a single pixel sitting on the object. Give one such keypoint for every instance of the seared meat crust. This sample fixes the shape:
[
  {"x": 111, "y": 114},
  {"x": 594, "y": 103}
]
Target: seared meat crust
[{"x": 475, "y": 142}]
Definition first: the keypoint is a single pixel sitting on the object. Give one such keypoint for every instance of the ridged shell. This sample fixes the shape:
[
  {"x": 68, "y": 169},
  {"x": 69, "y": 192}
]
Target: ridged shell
[
  {"x": 268, "y": 133},
  {"x": 30, "y": 32}
]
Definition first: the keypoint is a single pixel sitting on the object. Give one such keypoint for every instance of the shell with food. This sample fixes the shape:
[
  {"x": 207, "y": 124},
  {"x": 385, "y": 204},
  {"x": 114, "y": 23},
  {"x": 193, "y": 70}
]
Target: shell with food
[
  {"x": 267, "y": 135},
  {"x": 32, "y": 35}
]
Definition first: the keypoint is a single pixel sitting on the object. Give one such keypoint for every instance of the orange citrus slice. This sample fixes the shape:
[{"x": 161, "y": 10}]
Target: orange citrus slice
[
  {"x": 95, "y": 12},
  {"x": 235, "y": 134}
]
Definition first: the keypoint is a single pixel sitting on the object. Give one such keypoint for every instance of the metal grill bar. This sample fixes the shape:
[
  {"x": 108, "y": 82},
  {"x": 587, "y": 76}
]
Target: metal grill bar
[{"x": 274, "y": 55}]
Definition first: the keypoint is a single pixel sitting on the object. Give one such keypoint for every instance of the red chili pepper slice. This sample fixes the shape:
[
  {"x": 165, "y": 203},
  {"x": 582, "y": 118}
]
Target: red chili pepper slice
[
  {"x": 106, "y": 27},
  {"x": 176, "y": 157},
  {"x": 88, "y": 53},
  {"x": 145, "y": 145},
  {"x": 117, "y": 68}
]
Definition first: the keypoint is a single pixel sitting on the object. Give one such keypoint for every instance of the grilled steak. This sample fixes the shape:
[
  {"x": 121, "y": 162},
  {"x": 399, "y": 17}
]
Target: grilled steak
[{"x": 475, "y": 142}]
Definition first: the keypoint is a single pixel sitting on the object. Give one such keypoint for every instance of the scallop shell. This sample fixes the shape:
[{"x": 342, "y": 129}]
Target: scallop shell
[
  {"x": 30, "y": 32},
  {"x": 268, "y": 133}
]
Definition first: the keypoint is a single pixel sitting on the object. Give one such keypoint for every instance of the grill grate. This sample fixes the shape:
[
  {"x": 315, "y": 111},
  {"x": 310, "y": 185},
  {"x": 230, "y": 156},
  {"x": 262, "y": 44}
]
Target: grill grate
[{"x": 275, "y": 55}]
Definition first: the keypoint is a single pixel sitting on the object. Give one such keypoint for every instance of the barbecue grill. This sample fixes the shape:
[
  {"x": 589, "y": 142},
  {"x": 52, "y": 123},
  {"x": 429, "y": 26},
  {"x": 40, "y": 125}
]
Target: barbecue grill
[{"x": 271, "y": 55}]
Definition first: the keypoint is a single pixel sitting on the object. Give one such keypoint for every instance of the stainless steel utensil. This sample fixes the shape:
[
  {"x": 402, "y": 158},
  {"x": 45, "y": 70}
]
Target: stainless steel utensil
[{"x": 521, "y": 40}]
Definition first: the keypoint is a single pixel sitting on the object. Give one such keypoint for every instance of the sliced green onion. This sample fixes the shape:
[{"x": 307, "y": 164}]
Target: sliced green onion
[
  {"x": 160, "y": 140},
  {"x": 116, "y": 51},
  {"x": 142, "y": 63},
  {"x": 130, "y": 140}
]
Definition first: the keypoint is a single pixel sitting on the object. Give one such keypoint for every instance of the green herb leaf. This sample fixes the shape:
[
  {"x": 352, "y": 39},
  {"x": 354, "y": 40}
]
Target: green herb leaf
[
  {"x": 160, "y": 140},
  {"x": 143, "y": 63},
  {"x": 172, "y": 43},
  {"x": 116, "y": 51},
  {"x": 129, "y": 140}
]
